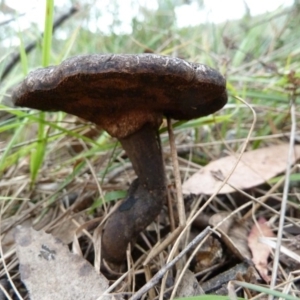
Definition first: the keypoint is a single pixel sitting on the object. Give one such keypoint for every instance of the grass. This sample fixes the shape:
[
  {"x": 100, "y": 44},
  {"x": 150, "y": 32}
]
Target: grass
[{"x": 46, "y": 158}]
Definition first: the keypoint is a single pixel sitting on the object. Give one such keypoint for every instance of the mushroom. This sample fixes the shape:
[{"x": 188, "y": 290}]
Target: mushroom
[{"x": 128, "y": 95}]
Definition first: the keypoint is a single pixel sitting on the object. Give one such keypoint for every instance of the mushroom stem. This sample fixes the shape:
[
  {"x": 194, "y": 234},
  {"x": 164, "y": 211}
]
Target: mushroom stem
[{"x": 145, "y": 196}]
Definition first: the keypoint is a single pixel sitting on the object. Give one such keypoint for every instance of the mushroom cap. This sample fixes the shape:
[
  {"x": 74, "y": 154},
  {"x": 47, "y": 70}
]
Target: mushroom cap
[{"x": 123, "y": 92}]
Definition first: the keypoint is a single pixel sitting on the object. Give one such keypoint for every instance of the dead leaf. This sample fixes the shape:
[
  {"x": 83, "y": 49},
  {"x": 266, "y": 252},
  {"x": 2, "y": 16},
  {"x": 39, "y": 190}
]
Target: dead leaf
[
  {"x": 50, "y": 271},
  {"x": 260, "y": 251},
  {"x": 220, "y": 218},
  {"x": 8, "y": 240},
  {"x": 189, "y": 285},
  {"x": 255, "y": 168},
  {"x": 238, "y": 237},
  {"x": 233, "y": 234}
]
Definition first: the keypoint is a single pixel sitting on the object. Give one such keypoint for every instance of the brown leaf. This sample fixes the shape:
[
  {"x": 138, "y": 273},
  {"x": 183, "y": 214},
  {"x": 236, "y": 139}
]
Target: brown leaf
[
  {"x": 219, "y": 217},
  {"x": 189, "y": 285},
  {"x": 260, "y": 251},
  {"x": 255, "y": 168},
  {"x": 238, "y": 236},
  {"x": 233, "y": 234},
  {"x": 50, "y": 271}
]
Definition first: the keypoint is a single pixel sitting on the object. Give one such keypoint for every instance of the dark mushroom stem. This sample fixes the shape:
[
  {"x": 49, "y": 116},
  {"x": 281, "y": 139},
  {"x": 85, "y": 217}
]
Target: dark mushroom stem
[{"x": 145, "y": 196}]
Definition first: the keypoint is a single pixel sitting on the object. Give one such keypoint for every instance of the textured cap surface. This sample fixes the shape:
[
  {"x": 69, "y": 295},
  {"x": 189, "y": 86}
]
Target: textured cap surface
[{"x": 123, "y": 92}]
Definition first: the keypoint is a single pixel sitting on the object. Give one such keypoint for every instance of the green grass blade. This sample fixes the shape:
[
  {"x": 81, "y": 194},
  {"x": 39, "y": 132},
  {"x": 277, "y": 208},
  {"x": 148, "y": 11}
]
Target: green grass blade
[
  {"x": 47, "y": 40},
  {"x": 23, "y": 55},
  {"x": 10, "y": 144},
  {"x": 265, "y": 290},
  {"x": 208, "y": 297},
  {"x": 37, "y": 156}
]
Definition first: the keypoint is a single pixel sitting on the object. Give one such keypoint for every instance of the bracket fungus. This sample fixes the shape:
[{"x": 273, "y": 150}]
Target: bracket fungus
[{"x": 128, "y": 95}]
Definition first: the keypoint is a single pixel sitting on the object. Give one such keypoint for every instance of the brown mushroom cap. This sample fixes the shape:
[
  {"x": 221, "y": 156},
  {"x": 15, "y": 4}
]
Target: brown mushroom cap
[{"x": 123, "y": 92}]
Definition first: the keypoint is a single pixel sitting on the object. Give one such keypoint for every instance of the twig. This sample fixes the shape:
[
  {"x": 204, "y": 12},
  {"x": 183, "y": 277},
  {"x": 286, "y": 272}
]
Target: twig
[
  {"x": 16, "y": 56},
  {"x": 284, "y": 197},
  {"x": 180, "y": 202},
  {"x": 155, "y": 279}
]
